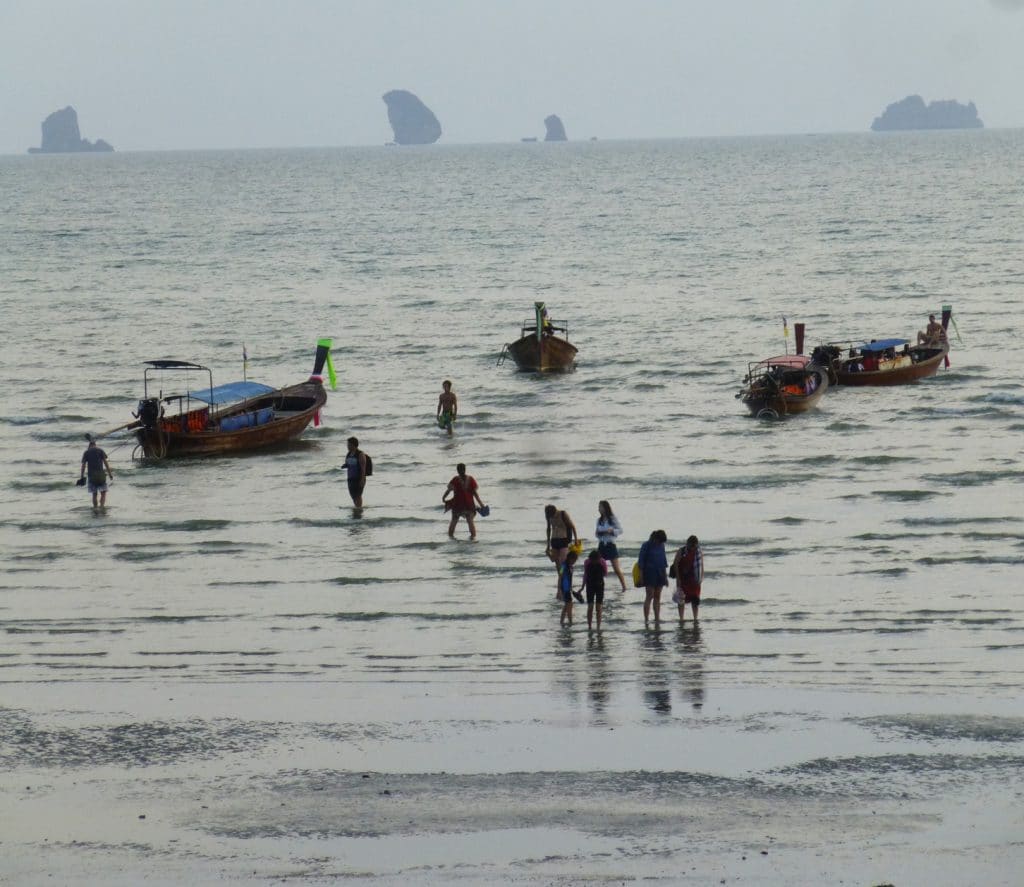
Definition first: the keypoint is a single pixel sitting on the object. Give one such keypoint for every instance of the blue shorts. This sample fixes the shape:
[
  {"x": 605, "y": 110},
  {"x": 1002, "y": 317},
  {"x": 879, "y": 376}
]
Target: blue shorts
[
  {"x": 565, "y": 596},
  {"x": 608, "y": 550}
]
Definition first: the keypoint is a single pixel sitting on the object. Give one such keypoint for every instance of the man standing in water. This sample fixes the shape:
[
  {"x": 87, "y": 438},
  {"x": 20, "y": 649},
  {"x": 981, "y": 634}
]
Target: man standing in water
[
  {"x": 447, "y": 407},
  {"x": 464, "y": 499},
  {"x": 355, "y": 470},
  {"x": 94, "y": 460}
]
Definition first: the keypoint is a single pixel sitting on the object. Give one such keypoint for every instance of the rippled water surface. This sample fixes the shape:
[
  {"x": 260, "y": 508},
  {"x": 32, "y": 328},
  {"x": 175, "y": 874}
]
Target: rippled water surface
[{"x": 224, "y": 617}]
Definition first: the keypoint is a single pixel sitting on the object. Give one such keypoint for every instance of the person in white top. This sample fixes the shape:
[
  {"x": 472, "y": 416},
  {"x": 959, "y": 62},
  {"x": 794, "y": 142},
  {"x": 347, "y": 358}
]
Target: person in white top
[{"x": 607, "y": 530}]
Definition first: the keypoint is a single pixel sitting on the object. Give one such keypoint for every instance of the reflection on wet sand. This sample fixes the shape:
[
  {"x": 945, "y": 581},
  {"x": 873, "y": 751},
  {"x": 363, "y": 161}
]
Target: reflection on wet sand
[
  {"x": 691, "y": 664},
  {"x": 598, "y": 677},
  {"x": 654, "y": 672}
]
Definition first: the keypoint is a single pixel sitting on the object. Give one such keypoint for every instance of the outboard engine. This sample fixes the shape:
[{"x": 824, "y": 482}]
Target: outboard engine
[
  {"x": 823, "y": 355},
  {"x": 149, "y": 412}
]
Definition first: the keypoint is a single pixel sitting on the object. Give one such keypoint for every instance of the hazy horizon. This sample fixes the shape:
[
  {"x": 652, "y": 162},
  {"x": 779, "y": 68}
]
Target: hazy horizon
[{"x": 191, "y": 75}]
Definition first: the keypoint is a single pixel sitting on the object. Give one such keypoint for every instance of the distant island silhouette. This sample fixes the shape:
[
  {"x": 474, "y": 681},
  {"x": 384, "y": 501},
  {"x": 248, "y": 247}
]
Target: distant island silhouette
[
  {"x": 555, "y": 129},
  {"x": 412, "y": 122},
  {"x": 913, "y": 113},
  {"x": 61, "y": 135}
]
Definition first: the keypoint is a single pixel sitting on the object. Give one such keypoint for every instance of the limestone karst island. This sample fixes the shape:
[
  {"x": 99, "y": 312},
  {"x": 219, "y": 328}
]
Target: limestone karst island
[
  {"x": 61, "y": 135},
  {"x": 412, "y": 122},
  {"x": 913, "y": 113},
  {"x": 555, "y": 129}
]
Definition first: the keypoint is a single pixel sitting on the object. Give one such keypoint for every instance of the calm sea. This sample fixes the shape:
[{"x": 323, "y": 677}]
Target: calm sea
[{"x": 872, "y": 546}]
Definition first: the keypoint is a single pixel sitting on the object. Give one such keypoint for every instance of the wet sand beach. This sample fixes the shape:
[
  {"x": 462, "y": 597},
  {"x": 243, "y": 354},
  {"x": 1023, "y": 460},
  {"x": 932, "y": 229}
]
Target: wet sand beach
[{"x": 496, "y": 783}]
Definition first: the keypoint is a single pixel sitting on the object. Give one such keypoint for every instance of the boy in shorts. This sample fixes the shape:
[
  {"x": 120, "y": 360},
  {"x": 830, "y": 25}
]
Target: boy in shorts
[
  {"x": 447, "y": 407},
  {"x": 565, "y": 588}
]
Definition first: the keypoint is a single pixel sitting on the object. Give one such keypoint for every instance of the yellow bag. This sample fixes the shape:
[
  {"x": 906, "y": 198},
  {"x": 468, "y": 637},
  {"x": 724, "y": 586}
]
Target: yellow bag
[
  {"x": 577, "y": 548},
  {"x": 638, "y": 576}
]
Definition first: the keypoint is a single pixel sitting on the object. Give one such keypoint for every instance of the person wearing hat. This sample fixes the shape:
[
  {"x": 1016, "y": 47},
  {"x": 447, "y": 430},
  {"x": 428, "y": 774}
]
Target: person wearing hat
[{"x": 94, "y": 460}]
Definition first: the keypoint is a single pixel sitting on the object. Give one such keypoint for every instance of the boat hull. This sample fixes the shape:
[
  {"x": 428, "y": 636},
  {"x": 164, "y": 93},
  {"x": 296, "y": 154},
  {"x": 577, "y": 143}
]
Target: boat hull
[
  {"x": 900, "y": 375},
  {"x": 293, "y": 408},
  {"x": 547, "y": 354}
]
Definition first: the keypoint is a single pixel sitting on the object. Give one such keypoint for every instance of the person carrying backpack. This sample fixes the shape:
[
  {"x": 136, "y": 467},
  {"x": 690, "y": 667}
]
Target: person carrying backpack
[
  {"x": 689, "y": 571},
  {"x": 357, "y": 468}
]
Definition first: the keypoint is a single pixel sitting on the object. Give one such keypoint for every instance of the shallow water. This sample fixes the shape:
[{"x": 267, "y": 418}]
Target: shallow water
[{"x": 871, "y": 547}]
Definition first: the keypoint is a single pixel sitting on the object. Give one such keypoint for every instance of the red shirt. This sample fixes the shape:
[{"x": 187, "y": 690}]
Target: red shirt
[{"x": 463, "y": 498}]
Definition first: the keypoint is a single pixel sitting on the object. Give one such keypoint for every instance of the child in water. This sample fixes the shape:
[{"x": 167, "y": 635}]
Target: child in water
[
  {"x": 595, "y": 568},
  {"x": 447, "y": 407},
  {"x": 565, "y": 588}
]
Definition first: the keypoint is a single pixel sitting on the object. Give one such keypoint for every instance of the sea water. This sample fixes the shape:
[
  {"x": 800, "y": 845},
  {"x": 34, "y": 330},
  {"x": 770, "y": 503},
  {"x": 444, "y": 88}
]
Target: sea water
[{"x": 289, "y": 686}]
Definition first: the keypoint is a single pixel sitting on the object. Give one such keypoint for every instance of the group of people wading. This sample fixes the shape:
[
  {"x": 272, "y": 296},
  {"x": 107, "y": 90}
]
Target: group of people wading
[{"x": 651, "y": 572}]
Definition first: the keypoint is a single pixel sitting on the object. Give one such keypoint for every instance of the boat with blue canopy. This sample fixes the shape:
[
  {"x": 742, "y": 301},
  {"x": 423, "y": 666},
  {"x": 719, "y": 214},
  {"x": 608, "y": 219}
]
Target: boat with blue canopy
[
  {"x": 200, "y": 419},
  {"x": 892, "y": 361}
]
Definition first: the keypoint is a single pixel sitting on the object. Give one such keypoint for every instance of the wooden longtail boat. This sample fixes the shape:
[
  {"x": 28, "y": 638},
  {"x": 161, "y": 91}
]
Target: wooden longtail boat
[
  {"x": 888, "y": 361},
  {"x": 540, "y": 348},
  {"x": 232, "y": 418},
  {"x": 882, "y": 362},
  {"x": 782, "y": 385}
]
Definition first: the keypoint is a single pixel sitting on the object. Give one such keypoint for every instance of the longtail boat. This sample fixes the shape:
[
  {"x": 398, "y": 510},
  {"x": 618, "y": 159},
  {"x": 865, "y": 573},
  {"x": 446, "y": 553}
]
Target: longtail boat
[
  {"x": 882, "y": 362},
  {"x": 543, "y": 345},
  {"x": 232, "y": 418},
  {"x": 892, "y": 361},
  {"x": 783, "y": 385}
]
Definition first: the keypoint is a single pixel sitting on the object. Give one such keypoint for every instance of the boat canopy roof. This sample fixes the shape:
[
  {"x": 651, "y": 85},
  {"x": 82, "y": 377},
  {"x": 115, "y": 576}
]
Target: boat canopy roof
[
  {"x": 882, "y": 344},
  {"x": 230, "y": 392},
  {"x": 793, "y": 361},
  {"x": 173, "y": 365}
]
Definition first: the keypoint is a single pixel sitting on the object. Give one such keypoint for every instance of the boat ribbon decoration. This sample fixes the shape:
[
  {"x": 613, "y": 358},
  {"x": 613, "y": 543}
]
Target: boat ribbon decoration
[
  {"x": 542, "y": 314},
  {"x": 947, "y": 319},
  {"x": 323, "y": 356}
]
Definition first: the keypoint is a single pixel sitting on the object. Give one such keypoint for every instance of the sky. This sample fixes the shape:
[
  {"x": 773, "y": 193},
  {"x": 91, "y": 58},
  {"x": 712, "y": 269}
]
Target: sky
[{"x": 192, "y": 74}]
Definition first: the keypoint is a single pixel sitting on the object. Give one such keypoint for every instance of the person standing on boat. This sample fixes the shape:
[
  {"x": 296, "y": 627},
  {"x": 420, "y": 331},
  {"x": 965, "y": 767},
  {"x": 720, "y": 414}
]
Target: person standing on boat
[
  {"x": 447, "y": 407},
  {"x": 607, "y": 530},
  {"x": 689, "y": 570},
  {"x": 653, "y": 567},
  {"x": 94, "y": 460},
  {"x": 464, "y": 499},
  {"x": 355, "y": 469}
]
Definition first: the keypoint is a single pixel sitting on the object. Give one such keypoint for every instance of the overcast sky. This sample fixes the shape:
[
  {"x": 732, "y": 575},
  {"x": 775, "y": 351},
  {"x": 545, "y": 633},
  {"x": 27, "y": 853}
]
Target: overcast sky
[{"x": 170, "y": 74}]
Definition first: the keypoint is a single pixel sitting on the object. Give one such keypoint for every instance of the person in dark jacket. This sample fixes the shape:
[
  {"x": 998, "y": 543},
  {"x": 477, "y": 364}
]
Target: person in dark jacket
[{"x": 654, "y": 567}]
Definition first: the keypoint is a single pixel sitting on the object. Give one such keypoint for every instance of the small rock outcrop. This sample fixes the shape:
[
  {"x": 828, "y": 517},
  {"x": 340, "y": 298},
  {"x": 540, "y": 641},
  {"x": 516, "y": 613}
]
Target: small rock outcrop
[
  {"x": 913, "y": 113},
  {"x": 61, "y": 135},
  {"x": 412, "y": 122},
  {"x": 555, "y": 129}
]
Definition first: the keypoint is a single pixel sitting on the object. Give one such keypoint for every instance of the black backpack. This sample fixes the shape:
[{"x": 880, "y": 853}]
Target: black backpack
[{"x": 369, "y": 463}]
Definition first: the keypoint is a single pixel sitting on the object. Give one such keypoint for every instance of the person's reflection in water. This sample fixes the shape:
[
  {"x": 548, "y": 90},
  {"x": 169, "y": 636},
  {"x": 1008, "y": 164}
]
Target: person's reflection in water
[
  {"x": 598, "y": 677},
  {"x": 568, "y": 665},
  {"x": 691, "y": 664},
  {"x": 654, "y": 673}
]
